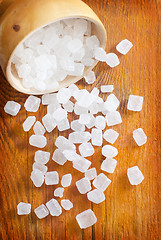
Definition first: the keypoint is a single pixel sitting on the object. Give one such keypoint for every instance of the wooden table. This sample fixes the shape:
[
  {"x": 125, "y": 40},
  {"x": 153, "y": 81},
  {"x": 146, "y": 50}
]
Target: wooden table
[{"x": 129, "y": 212}]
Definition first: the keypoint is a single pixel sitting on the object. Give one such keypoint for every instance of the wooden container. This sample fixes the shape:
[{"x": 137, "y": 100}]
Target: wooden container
[{"x": 23, "y": 17}]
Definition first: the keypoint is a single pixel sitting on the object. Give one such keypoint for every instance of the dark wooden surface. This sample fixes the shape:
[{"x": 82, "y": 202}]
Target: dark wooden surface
[{"x": 128, "y": 212}]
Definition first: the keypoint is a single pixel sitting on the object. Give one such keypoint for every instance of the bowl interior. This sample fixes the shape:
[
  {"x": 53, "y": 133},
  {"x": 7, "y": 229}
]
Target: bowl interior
[{"x": 96, "y": 29}]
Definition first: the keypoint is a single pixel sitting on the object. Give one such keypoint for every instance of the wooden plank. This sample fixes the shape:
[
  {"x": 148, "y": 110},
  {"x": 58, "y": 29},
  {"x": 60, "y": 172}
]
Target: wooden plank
[{"x": 128, "y": 212}]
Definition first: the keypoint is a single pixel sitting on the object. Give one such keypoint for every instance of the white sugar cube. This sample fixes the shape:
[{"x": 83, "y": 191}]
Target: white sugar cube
[
  {"x": 100, "y": 122},
  {"x": 92, "y": 42},
  {"x": 79, "y": 137},
  {"x": 39, "y": 128},
  {"x": 109, "y": 151},
  {"x": 139, "y": 136},
  {"x": 85, "y": 99},
  {"x": 42, "y": 157},
  {"x": 84, "y": 119},
  {"x": 111, "y": 103},
  {"x": 135, "y": 176},
  {"x": 24, "y": 70},
  {"x": 78, "y": 110},
  {"x": 63, "y": 125},
  {"x": 96, "y": 196},
  {"x": 92, "y": 122},
  {"x": 23, "y": 208},
  {"x": 38, "y": 141},
  {"x": 109, "y": 165},
  {"x": 107, "y": 88},
  {"x": 49, "y": 98},
  {"x": 59, "y": 157},
  {"x": 100, "y": 54},
  {"x": 73, "y": 88},
  {"x": 86, "y": 219},
  {"x": 124, "y": 46},
  {"x": 91, "y": 173},
  {"x": 69, "y": 106},
  {"x": 90, "y": 78},
  {"x": 81, "y": 164},
  {"x": 86, "y": 149},
  {"x": 71, "y": 155},
  {"x": 74, "y": 45},
  {"x": 83, "y": 185},
  {"x": 113, "y": 118},
  {"x": 77, "y": 127},
  {"x": 112, "y": 60},
  {"x": 49, "y": 122},
  {"x": 59, "y": 192},
  {"x": 101, "y": 182},
  {"x": 135, "y": 103},
  {"x": 87, "y": 61},
  {"x": 12, "y": 108},
  {"x": 66, "y": 180},
  {"x": 52, "y": 178},
  {"x": 37, "y": 178},
  {"x": 66, "y": 204},
  {"x": 97, "y": 139},
  {"x": 63, "y": 95},
  {"x": 40, "y": 167},
  {"x": 59, "y": 114},
  {"x": 63, "y": 143},
  {"x": 80, "y": 27},
  {"x": 32, "y": 104},
  {"x": 54, "y": 207},
  {"x": 28, "y": 123},
  {"x": 41, "y": 211},
  {"x": 110, "y": 135},
  {"x": 51, "y": 108}
]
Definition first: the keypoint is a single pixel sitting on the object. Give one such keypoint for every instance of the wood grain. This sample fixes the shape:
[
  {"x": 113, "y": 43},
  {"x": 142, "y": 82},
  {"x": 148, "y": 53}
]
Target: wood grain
[{"x": 128, "y": 212}]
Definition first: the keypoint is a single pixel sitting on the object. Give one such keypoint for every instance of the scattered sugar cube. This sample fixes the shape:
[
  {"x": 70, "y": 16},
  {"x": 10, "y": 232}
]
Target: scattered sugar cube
[
  {"x": 23, "y": 208},
  {"x": 124, "y": 46},
  {"x": 83, "y": 185},
  {"x": 92, "y": 122},
  {"x": 59, "y": 157},
  {"x": 39, "y": 128},
  {"x": 49, "y": 122},
  {"x": 110, "y": 135},
  {"x": 109, "y": 151},
  {"x": 78, "y": 110},
  {"x": 59, "y": 114},
  {"x": 90, "y": 78},
  {"x": 96, "y": 196},
  {"x": 32, "y": 104},
  {"x": 12, "y": 108},
  {"x": 40, "y": 167},
  {"x": 97, "y": 139},
  {"x": 112, "y": 60},
  {"x": 28, "y": 123},
  {"x": 66, "y": 180},
  {"x": 42, "y": 157},
  {"x": 63, "y": 125},
  {"x": 100, "y": 54},
  {"x": 86, "y": 219},
  {"x": 54, "y": 207},
  {"x": 100, "y": 122},
  {"x": 113, "y": 118},
  {"x": 69, "y": 106},
  {"x": 59, "y": 192},
  {"x": 86, "y": 149},
  {"x": 91, "y": 173},
  {"x": 49, "y": 98},
  {"x": 139, "y": 136},
  {"x": 51, "y": 108},
  {"x": 111, "y": 103},
  {"x": 38, "y": 141},
  {"x": 41, "y": 211},
  {"x": 77, "y": 127},
  {"x": 79, "y": 137},
  {"x": 135, "y": 176},
  {"x": 37, "y": 178},
  {"x": 109, "y": 165},
  {"x": 101, "y": 182},
  {"x": 107, "y": 88},
  {"x": 73, "y": 88},
  {"x": 63, "y": 95},
  {"x": 52, "y": 178},
  {"x": 135, "y": 103},
  {"x": 66, "y": 204},
  {"x": 81, "y": 164},
  {"x": 71, "y": 155},
  {"x": 64, "y": 144},
  {"x": 84, "y": 119}
]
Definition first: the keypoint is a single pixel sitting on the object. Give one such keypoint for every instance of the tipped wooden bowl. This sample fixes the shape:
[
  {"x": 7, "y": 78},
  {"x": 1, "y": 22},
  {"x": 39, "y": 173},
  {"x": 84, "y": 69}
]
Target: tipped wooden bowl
[{"x": 24, "y": 17}]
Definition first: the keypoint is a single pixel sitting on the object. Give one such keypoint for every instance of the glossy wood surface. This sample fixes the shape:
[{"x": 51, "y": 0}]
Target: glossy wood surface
[{"x": 129, "y": 212}]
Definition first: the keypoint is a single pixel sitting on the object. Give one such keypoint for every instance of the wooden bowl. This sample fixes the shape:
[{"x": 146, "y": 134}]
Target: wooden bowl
[{"x": 24, "y": 17}]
